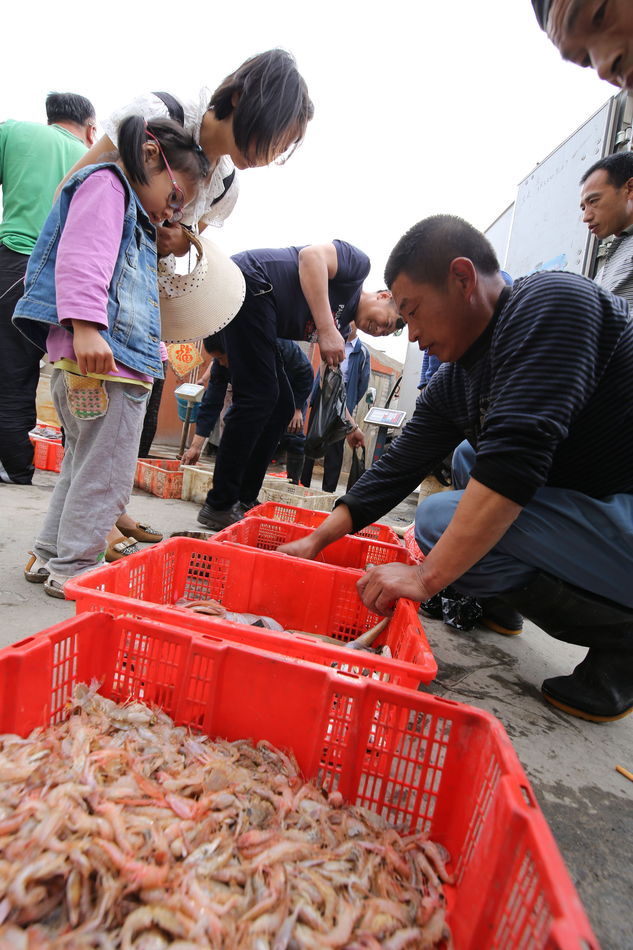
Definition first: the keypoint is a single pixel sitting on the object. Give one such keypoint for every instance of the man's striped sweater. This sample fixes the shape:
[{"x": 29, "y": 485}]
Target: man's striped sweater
[{"x": 545, "y": 396}]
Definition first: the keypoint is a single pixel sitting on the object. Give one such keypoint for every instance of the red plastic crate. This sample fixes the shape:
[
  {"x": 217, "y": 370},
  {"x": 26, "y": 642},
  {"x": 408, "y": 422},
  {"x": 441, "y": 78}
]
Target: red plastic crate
[
  {"x": 48, "y": 454},
  {"x": 279, "y": 512},
  {"x": 162, "y": 477},
  {"x": 423, "y": 763},
  {"x": 349, "y": 551},
  {"x": 300, "y": 595}
]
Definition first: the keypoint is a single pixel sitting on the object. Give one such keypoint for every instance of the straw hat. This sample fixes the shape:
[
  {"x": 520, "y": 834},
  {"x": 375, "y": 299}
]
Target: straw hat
[{"x": 202, "y": 302}]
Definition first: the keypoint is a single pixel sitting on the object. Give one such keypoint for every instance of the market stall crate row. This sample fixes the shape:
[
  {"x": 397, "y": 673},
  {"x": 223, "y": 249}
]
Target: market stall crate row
[
  {"x": 358, "y": 553},
  {"x": 300, "y": 595},
  {"x": 295, "y": 515}
]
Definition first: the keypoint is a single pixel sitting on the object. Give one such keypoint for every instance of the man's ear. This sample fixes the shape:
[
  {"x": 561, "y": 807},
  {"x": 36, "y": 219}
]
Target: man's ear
[
  {"x": 462, "y": 272},
  {"x": 629, "y": 189}
]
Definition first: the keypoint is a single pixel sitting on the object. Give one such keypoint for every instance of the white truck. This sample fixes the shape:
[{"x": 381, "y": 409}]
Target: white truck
[{"x": 543, "y": 229}]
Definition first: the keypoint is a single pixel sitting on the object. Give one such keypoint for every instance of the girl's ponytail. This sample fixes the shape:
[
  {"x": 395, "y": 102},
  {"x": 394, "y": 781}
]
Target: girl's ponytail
[
  {"x": 180, "y": 148},
  {"x": 132, "y": 138}
]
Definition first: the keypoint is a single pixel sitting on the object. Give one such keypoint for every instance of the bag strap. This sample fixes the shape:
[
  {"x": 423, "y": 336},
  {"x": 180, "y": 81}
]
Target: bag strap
[
  {"x": 176, "y": 111},
  {"x": 227, "y": 182}
]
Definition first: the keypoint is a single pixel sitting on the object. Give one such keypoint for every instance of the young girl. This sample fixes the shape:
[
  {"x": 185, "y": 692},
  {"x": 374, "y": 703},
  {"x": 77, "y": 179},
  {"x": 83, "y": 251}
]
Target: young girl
[{"x": 91, "y": 301}]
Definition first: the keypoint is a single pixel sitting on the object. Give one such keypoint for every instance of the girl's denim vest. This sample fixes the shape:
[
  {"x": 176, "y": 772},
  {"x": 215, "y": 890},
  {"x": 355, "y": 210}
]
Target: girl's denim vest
[{"x": 133, "y": 308}]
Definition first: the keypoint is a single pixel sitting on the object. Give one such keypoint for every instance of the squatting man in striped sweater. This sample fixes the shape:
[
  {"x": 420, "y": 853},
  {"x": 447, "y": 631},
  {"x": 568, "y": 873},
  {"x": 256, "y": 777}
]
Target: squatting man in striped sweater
[{"x": 535, "y": 392}]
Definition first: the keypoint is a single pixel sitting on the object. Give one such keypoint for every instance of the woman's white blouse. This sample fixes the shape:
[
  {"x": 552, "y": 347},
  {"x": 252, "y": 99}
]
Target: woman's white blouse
[{"x": 201, "y": 208}]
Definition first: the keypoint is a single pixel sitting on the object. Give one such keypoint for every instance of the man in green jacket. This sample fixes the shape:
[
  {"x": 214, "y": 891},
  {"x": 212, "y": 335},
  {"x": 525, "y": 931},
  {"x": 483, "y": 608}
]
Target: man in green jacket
[{"x": 33, "y": 160}]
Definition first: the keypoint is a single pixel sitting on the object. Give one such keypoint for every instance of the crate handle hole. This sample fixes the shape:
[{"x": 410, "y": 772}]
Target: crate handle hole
[
  {"x": 22, "y": 643},
  {"x": 525, "y": 791}
]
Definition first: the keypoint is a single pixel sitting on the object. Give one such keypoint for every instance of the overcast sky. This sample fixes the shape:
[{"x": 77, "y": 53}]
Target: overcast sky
[{"x": 421, "y": 107}]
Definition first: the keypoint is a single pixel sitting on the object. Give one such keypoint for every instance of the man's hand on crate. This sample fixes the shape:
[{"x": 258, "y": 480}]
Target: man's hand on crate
[
  {"x": 334, "y": 527},
  {"x": 304, "y": 547},
  {"x": 380, "y": 587},
  {"x": 192, "y": 454}
]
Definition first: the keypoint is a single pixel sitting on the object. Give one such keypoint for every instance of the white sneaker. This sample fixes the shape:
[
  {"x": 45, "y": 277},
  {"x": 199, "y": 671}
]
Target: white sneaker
[{"x": 36, "y": 570}]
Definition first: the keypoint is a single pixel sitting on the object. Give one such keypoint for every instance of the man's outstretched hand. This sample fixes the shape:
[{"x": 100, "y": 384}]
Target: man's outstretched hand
[
  {"x": 301, "y": 548},
  {"x": 380, "y": 587}
]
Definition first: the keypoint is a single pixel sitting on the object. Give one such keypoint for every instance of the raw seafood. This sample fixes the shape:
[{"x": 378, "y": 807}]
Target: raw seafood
[{"x": 118, "y": 829}]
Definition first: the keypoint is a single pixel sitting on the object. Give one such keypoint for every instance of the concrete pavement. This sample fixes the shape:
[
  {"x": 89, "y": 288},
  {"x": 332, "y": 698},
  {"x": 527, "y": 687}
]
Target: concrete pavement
[{"x": 570, "y": 763}]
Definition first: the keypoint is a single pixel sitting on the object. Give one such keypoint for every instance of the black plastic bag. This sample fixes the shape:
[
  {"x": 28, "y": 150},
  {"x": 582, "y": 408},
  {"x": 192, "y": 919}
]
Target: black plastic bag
[
  {"x": 456, "y": 610},
  {"x": 357, "y": 467},
  {"x": 328, "y": 419}
]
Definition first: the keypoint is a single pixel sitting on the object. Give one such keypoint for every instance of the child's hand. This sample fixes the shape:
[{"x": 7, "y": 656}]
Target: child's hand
[
  {"x": 171, "y": 239},
  {"x": 92, "y": 353}
]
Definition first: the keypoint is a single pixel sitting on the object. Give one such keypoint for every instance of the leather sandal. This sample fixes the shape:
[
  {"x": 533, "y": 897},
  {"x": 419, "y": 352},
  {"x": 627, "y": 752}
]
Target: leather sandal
[
  {"x": 120, "y": 548},
  {"x": 36, "y": 571},
  {"x": 142, "y": 532},
  {"x": 54, "y": 585}
]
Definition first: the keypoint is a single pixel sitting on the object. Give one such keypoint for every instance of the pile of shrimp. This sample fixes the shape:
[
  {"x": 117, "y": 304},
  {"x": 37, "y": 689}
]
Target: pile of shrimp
[{"x": 120, "y": 830}]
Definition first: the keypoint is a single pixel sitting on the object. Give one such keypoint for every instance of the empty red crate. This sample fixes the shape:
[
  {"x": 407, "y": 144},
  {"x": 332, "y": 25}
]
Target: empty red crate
[
  {"x": 349, "y": 551},
  {"x": 423, "y": 763},
  {"x": 279, "y": 512},
  {"x": 48, "y": 454},
  {"x": 300, "y": 595},
  {"x": 162, "y": 477}
]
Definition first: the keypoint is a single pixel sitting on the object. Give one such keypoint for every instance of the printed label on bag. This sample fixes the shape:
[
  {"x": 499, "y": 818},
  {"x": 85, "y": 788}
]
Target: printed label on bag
[{"x": 87, "y": 398}]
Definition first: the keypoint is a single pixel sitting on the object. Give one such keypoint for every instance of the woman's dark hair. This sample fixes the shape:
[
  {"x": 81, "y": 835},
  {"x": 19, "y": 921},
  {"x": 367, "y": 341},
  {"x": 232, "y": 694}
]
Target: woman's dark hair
[
  {"x": 273, "y": 102},
  {"x": 214, "y": 343},
  {"x": 180, "y": 148}
]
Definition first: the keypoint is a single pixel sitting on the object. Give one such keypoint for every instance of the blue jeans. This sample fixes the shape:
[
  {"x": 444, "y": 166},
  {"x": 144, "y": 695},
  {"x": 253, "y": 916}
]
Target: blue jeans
[{"x": 584, "y": 541}]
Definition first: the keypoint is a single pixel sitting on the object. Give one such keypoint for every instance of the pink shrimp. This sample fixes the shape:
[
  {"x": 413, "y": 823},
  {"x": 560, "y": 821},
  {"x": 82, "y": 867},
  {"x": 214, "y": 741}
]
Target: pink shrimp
[
  {"x": 183, "y": 807},
  {"x": 284, "y": 851},
  {"x": 402, "y": 938},
  {"x": 136, "y": 872},
  {"x": 433, "y": 854},
  {"x": 117, "y": 823},
  {"x": 346, "y": 917}
]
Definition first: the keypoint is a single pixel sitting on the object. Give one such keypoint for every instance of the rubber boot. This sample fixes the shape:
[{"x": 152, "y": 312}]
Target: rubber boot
[
  {"x": 601, "y": 687},
  {"x": 294, "y": 467},
  {"x": 500, "y": 616}
]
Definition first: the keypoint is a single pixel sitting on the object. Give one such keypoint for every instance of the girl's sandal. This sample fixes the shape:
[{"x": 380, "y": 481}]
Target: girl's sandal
[
  {"x": 36, "y": 571},
  {"x": 142, "y": 532},
  {"x": 120, "y": 548}
]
